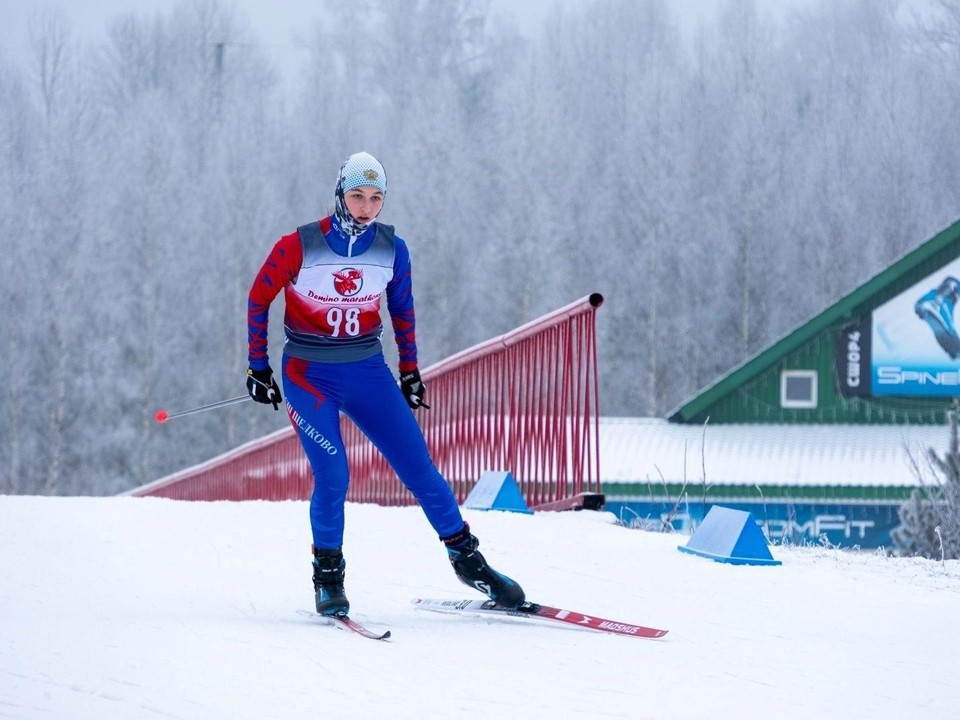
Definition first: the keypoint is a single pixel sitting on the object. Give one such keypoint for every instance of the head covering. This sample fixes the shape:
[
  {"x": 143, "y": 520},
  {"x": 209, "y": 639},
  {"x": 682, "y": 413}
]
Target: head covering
[
  {"x": 362, "y": 168},
  {"x": 358, "y": 170}
]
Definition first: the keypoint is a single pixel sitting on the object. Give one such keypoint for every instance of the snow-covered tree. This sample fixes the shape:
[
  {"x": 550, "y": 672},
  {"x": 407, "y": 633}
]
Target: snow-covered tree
[
  {"x": 930, "y": 520},
  {"x": 718, "y": 187}
]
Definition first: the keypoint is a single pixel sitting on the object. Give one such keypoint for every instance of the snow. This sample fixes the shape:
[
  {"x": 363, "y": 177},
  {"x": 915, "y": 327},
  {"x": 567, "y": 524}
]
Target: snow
[{"x": 150, "y": 608}]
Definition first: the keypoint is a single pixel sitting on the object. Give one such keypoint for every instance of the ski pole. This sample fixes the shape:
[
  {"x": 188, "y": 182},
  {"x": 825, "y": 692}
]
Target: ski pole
[{"x": 162, "y": 415}]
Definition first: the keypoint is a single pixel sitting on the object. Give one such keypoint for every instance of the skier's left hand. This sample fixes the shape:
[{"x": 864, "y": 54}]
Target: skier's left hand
[{"x": 413, "y": 389}]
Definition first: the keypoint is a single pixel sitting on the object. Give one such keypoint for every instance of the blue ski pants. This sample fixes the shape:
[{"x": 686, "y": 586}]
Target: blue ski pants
[{"x": 366, "y": 392}]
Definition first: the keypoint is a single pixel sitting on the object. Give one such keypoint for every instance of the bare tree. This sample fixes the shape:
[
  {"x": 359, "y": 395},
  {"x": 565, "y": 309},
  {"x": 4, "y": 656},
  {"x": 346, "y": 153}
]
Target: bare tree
[
  {"x": 49, "y": 39},
  {"x": 16, "y": 140},
  {"x": 716, "y": 191}
]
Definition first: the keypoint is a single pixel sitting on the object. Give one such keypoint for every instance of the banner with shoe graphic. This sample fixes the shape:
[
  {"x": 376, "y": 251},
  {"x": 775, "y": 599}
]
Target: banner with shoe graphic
[{"x": 907, "y": 347}]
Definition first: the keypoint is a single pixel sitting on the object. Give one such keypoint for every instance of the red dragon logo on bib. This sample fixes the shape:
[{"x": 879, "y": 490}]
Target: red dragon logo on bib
[{"x": 348, "y": 281}]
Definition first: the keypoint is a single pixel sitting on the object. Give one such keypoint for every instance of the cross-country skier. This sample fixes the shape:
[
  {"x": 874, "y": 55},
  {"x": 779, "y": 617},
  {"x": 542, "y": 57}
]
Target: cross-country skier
[{"x": 333, "y": 274}]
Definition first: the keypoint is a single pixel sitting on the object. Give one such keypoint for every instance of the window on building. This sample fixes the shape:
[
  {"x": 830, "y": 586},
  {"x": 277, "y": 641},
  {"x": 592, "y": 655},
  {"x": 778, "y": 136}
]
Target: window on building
[{"x": 798, "y": 389}]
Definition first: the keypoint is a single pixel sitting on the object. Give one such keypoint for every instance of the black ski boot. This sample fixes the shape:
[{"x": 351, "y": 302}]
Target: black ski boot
[
  {"x": 472, "y": 569},
  {"x": 328, "y": 571}
]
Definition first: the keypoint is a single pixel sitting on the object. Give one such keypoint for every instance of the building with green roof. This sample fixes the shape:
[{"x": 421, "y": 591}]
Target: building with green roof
[
  {"x": 821, "y": 434},
  {"x": 831, "y": 370}
]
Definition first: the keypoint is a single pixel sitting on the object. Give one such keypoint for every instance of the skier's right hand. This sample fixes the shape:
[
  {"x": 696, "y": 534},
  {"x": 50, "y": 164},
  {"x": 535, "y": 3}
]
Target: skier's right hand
[
  {"x": 263, "y": 388},
  {"x": 413, "y": 389}
]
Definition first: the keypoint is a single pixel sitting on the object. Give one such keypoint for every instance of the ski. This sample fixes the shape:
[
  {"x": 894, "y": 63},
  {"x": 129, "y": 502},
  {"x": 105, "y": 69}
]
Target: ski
[
  {"x": 345, "y": 622},
  {"x": 539, "y": 612}
]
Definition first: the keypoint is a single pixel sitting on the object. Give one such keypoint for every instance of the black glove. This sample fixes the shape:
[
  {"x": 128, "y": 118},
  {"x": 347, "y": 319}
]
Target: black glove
[
  {"x": 263, "y": 388},
  {"x": 413, "y": 389}
]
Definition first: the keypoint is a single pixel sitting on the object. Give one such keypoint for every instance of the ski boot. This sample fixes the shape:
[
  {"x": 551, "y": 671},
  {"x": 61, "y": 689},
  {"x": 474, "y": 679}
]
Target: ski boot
[
  {"x": 472, "y": 569},
  {"x": 328, "y": 571},
  {"x": 937, "y": 308}
]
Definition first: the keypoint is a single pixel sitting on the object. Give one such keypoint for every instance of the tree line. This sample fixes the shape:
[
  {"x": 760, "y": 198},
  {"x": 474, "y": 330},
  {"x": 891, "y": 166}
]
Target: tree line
[{"x": 718, "y": 187}]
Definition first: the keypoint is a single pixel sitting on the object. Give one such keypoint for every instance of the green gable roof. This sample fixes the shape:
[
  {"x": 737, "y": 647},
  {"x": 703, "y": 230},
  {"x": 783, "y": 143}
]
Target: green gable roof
[{"x": 848, "y": 307}]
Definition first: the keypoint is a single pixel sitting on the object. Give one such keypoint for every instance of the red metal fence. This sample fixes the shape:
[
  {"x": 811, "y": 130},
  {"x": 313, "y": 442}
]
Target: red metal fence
[{"x": 526, "y": 402}]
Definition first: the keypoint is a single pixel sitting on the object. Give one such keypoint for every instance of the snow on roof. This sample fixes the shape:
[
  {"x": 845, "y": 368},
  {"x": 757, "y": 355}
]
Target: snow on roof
[{"x": 640, "y": 450}]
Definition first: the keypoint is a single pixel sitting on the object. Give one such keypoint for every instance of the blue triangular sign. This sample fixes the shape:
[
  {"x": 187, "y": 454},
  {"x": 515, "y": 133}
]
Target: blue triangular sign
[
  {"x": 730, "y": 536},
  {"x": 497, "y": 490}
]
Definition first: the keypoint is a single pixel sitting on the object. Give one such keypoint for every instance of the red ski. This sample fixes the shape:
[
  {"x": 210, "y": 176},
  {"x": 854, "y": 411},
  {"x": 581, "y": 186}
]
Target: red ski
[
  {"x": 540, "y": 612},
  {"x": 345, "y": 622}
]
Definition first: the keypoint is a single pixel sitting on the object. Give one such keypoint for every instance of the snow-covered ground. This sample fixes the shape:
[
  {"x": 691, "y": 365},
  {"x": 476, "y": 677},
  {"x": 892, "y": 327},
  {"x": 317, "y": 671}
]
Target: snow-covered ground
[{"x": 148, "y": 608}]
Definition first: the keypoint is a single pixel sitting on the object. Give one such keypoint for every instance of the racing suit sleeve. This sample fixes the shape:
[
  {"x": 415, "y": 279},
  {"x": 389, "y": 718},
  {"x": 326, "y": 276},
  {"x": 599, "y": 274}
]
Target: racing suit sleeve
[
  {"x": 400, "y": 306},
  {"x": 281, "y": 267}
]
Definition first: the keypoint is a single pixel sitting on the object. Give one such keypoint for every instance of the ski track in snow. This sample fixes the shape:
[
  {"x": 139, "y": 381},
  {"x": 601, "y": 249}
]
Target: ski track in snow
[{"x": 148, "y": 608}]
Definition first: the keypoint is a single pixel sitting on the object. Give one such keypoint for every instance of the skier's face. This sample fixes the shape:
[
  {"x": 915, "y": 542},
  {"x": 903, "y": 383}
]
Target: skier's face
[{"x": 364, "y": 203}]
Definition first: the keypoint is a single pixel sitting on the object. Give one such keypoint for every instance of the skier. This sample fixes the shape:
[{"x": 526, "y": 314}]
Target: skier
[{"x": 333, "y": 274}]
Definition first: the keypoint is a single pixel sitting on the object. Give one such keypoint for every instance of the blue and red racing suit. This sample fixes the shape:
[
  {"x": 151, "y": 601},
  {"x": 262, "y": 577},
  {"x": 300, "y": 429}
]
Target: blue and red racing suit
[{"x": 333, "y": 362}]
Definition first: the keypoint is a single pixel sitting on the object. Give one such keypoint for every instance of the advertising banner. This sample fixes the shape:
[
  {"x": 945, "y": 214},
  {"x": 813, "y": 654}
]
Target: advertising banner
[
  {"x": 909, "y": 346},
  {"x": 853, "y": 359},
  {"x": 915, "y": 348},
  {"x": 846, "y": 525}
]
